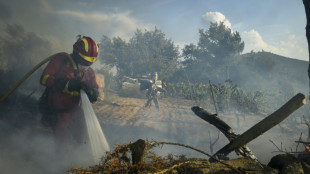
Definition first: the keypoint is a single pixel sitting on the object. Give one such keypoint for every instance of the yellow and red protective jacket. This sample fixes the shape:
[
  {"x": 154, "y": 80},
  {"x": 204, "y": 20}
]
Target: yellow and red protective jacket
[{"x": 63, "y": 66}]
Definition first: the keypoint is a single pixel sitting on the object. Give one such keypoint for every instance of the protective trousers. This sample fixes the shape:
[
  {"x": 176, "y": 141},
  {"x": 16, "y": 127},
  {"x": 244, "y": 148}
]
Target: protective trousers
[{"x": 70, "y": 129}]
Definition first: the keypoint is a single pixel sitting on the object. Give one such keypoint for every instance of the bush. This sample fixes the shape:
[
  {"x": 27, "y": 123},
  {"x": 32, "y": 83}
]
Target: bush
[{"x": 226, "y": 95}]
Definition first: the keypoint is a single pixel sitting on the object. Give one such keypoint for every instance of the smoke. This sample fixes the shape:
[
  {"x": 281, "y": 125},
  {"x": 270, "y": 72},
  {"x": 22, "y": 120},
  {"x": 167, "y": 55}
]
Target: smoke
[
  {"x": 32, "y": 150},
  {"x": 20, "y": 51},
  {"x": 29, "y": 147},
  {"x": 5, "y": 12}
]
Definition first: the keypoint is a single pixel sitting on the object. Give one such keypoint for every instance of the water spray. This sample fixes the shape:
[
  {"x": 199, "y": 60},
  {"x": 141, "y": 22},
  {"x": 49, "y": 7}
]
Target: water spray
[{"x": 97, "y": 140}]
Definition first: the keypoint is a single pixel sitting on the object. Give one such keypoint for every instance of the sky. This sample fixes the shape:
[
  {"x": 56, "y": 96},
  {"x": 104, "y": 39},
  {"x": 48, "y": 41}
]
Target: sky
[{"x": 276, "y": 26}]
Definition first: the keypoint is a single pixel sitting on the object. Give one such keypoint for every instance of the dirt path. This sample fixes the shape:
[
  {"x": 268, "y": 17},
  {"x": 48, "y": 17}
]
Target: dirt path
[
  {"x": 126, "y": 119},
  {"x": 131, "y": 112}
]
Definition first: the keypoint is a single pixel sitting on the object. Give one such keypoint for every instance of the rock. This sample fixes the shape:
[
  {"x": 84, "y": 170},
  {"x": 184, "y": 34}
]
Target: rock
[
  {"x": 305, "y": 161},
  {"x": 286, "y": 164},
  {"x": 244, "y": 164}
]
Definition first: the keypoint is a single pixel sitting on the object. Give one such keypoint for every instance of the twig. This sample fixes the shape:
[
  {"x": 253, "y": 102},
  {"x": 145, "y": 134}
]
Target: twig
[
  {"x": 183, "y": 145},
  {"x": 298, "y": 141},
  {"x": 280, "y": 150},
  {"x": 178, "y": 165},
  {"x": 213, "y": 97},
  {"x": 281, "y": 145},
  {"x": 215, "y": 141},
  {"x": 306, "y": 121}
]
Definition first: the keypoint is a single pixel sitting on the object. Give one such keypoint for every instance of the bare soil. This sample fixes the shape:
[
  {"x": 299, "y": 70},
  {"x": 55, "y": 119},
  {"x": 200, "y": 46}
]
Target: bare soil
[{"x": 127, "y": 120}]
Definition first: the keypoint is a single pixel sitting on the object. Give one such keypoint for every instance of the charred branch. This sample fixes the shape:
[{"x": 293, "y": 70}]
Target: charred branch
[
  {"x": 138, "y": 151},
  {"x": 264, "y": 125},
  {"x": 225, "y": 129}
]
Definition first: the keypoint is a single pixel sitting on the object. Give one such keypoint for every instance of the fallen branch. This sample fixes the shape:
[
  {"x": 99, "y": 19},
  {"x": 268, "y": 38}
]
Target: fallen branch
[
  {"x": 151, "y": 144},
  {"x": 225, "y": 129},
  {"x": 275, "y": 118}
]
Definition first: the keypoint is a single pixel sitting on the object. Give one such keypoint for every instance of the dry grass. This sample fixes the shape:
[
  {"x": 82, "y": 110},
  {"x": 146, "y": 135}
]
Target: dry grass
[{"x": 120, "y": 162}]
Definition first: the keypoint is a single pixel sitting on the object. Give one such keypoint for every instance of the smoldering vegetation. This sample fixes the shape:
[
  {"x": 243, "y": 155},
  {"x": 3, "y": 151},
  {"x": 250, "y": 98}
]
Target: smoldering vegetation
[
  {"x": 246, "y": 88},
  {"x": 178, "y": 124},
  {"x": 27, "y": 146}
]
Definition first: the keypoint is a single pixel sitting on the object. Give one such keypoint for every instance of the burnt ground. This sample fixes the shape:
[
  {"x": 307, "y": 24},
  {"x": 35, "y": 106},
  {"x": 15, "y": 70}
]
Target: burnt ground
[
  {"x": 27, "y": 147},
  {"x": 126, "y": 119}
]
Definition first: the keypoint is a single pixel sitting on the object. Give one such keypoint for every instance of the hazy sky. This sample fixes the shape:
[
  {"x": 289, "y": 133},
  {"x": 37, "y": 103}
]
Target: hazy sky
[{"x": 276, "y": 26}]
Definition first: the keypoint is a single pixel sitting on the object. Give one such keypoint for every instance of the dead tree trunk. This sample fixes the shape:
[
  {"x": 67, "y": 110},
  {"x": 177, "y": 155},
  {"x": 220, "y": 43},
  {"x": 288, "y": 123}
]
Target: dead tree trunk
[
  {"x": 138, "y": 151},
  {"x": 307, "y": 9},
  {"x": 225, "y": 129},
  {"x": 264, "y": 125}
]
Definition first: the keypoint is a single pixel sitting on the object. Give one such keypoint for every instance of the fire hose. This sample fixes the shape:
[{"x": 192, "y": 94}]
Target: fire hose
[{"x": 25, "y": 77}]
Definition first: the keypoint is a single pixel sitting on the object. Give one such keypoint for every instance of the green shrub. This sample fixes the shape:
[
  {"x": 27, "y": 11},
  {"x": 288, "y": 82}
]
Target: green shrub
[{"x": 226, "y": 95}]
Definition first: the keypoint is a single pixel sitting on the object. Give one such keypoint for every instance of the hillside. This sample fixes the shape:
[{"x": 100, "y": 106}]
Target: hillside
[{"x": 268, "y": 71}]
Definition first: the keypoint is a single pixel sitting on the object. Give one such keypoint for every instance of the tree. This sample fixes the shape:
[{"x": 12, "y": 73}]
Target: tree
[
  {"x": 217, "y": 49},
  {"x": 145, "y": 52},
  {"x": 219, "y": 41},
  {"x": 307, "y": 9}
]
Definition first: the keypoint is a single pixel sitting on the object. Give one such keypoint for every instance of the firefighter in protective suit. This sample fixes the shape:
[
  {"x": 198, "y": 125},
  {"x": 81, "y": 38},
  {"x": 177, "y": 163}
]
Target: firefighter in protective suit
[
  {"x": 153, "y": 89},
  {"x": 64, "y": 77}
]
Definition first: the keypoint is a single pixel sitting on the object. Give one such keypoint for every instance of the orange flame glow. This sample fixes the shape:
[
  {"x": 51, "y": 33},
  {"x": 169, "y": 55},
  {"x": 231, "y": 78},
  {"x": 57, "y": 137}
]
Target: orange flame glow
[{"x": 308, "y": 147}]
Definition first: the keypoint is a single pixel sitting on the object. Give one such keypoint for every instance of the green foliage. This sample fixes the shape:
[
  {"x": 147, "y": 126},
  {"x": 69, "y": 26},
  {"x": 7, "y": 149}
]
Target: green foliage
[
  {"x": 227, "y": 96},
  {"x": 145, "y": 52},
  {"x": 219, "y": 41},
  {"x": 218, "y": 49}
]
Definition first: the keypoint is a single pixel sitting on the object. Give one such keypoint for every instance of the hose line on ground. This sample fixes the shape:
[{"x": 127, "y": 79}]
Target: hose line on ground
[{"x": 25, "y": 77}]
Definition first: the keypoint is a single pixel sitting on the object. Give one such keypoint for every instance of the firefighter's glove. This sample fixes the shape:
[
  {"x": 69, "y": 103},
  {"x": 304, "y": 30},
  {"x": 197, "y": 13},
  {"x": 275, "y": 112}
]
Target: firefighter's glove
[
  {"x": 74, "y": 85},
  {"x": 70, "y": 84},
  {"x": 92, "y": 93},
  {"x": 60, "y": 83}
]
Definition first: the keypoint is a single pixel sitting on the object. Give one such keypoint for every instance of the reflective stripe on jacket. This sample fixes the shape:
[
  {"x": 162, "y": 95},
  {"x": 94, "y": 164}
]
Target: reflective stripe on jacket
[{"x": 61, "y": 66}]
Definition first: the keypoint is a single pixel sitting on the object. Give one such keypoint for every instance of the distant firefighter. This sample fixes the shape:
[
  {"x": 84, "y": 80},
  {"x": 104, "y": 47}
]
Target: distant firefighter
[{"x": 152, "y": 90}]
